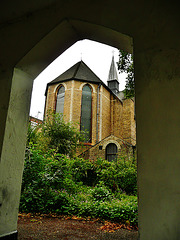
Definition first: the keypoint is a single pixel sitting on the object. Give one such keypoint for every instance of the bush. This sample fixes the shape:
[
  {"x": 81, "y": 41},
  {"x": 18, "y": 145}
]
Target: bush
[
  {"x": 60, "y": 203},
  {"x": 118, "y": 175},
  {"x": 52, "y": 182},
  {"x": 34, "y": 166},
  {"x": 56, "y": 134},
  {"x": 114, "y": 209},
  {"x": 84, "y": 171},
  {"x": 101, "y": 193}
]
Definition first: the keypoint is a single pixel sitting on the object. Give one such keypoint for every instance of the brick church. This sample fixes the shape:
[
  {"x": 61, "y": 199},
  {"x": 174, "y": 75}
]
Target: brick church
[{"x": 109, "y": 119}]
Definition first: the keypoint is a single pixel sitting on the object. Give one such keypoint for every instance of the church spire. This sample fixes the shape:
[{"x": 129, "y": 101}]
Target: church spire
[
  {"x": 113, "y": 82},
  {"x": 113, "y": 72}
]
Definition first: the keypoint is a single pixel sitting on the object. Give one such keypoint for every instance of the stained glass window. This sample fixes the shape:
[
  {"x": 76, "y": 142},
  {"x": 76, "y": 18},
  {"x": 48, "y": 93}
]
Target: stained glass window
[
  {"x": 60, "y": 100},
  {"x": 111, "y": 152},
  {"x": 86, "y": 112}
]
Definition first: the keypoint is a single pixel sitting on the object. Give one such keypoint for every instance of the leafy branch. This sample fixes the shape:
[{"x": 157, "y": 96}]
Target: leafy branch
[{"x": 126, "y": 65}]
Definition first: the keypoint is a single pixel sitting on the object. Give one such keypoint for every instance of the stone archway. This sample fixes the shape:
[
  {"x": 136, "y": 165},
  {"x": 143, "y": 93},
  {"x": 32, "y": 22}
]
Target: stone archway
[
  {"x": 25, "y": 71},
  {"x": 35, "y": 34}
]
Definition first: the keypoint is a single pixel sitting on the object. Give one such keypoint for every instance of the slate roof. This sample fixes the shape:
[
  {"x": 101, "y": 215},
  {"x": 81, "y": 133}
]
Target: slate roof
[
  {"x": 113, "y": 72},
  {"x": 79, "y": 71}
]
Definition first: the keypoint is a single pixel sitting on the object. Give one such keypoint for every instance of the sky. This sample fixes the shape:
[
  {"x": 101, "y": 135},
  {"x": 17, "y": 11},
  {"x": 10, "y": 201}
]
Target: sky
[{"x": 97, "y": 57}]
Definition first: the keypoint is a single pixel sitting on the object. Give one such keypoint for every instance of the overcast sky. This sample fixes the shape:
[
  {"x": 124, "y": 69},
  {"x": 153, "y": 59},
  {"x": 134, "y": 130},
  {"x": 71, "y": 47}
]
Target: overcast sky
[{"x": 97, "y": 56}]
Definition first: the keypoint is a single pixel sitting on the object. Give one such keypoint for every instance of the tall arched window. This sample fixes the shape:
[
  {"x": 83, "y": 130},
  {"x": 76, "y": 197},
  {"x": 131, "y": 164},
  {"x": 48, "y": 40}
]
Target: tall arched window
[
  {"x": 60, "y": 100},
  {"x": 86, "y": 112},
  {"x": 111, "y": 152}
]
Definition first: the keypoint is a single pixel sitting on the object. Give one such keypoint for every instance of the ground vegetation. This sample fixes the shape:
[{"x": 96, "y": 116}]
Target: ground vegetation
[{"x": 58, "y": 183}]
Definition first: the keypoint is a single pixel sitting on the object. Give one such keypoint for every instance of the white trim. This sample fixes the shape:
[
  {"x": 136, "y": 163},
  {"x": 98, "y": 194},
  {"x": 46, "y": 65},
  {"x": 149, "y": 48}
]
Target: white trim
[
  {"x": 63, "y": 84},
  {"x": 107, "y": 97},
  {"x": 86, "y": 83},
  {"x": 47, "y": 102},
  {"x": 111, "y": 141}
]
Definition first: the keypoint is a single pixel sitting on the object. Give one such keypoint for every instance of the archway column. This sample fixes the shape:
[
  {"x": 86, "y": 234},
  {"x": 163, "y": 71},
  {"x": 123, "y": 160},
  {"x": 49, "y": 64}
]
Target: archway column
[
  {"x": 158, "y": 139},
  {"x": 12, "y": 152}
]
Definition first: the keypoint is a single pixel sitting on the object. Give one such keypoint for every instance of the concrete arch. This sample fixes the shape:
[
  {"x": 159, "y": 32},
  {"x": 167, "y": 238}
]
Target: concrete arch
[
  {"x": 50, "y": 46},
  {"x": 34, "y": 34},
  {"x": 43, "y": 52}
]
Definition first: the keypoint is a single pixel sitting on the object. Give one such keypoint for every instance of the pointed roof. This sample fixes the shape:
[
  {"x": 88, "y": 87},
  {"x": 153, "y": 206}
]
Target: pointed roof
[
  {"x": 113, "y": 72},
  {"x": 79, "y": 71}
]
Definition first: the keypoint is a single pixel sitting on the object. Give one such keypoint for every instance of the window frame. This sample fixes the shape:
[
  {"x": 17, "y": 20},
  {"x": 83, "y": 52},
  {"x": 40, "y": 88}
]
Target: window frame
[
  {"x": 90, "y": 132},
  {"x": 56, "y": 97},
  {"x": 107, "y": 154}
]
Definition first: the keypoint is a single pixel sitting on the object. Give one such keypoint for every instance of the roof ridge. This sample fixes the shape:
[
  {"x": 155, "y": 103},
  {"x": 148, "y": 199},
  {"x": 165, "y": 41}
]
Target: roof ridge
[
  {"x": 91, "y": 70},
  {"x": 78, "y": 66}
]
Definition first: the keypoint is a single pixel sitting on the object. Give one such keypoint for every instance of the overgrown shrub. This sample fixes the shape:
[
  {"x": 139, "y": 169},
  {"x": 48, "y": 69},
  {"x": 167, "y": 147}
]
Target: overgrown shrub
[
  {"x": 84, "y": 171},
  {"x": 120, "y": 175},
  {"x": 57, "y": 134},
  {"x": 101, "y": 193},
  {"x": 53, "y": 182}
]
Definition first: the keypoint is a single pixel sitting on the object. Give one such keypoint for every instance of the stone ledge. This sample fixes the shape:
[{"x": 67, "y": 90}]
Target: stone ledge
[{"x": 10, "y": 236}]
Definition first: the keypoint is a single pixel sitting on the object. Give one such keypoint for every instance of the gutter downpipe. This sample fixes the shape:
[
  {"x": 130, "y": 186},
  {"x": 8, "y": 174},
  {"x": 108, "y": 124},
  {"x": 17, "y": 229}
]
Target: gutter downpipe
[{"x": 97, "y": 114}]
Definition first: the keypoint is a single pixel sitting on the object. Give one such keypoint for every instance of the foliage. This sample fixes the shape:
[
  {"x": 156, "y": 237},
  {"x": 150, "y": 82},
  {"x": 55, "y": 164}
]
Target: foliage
[
  {"x": 126, "y": 65},
  {"x": 57, "y": 134},
  {"x": 101, "y": 193},
  {"x": 33, "y": 167},
  {"x": 32, "y": 134},
  {"x": 53, "y": 182},
  {"x": 120, "y": 175},
  {"x": 84, "y": 171}
]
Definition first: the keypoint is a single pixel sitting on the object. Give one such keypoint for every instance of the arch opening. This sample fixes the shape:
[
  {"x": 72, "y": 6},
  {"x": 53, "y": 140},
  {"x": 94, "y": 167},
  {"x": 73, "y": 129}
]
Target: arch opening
[
  {"x": 34, "y": 69},
  {"x": 38, "y": 33},
  {"x": 60, "y": 100},
  {"x": 86, "y": 112},
  {"x": 111, "y": 152}
]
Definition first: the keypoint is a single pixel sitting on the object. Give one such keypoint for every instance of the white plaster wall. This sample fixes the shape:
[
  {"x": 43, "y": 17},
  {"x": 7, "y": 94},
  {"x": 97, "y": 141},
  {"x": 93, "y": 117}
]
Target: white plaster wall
[
  {"x": 158, "y": 139},
  {"x": 12, "y": 155}
]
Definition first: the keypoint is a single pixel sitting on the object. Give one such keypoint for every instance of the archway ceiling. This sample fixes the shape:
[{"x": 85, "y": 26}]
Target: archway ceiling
[
  {"x": 37, "y": 32},
  {"x": 54, "y": 43}
]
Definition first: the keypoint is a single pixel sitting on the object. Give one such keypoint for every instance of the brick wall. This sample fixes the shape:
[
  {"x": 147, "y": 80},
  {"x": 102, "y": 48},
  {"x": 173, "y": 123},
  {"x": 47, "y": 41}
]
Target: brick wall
[
  {"x": 51, "y": 98},
  {"x": 105, "y": 113},
  {"x": 99, "y": 149},
  {"x": 129, "y": 125},
  {"x": 115, "y": 118}
]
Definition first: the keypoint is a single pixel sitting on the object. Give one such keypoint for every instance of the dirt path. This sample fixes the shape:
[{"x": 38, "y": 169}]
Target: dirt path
[{"x": 53, "y": 228}]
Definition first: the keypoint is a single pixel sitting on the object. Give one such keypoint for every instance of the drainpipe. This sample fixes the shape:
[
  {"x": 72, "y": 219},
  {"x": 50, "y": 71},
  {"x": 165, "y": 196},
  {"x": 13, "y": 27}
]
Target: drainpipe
[{"x": 97, "y": 114}]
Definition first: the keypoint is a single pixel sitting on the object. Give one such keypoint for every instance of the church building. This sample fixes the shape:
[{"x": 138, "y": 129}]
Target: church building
[{"x": 109, "y": 120}]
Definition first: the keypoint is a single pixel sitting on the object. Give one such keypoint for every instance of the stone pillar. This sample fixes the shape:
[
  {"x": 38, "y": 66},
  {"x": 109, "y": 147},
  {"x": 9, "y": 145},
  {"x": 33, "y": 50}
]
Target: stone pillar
[
  {"x": 5, "y": 89},
  {"x": 157, "y": 74},
  {"x": 14, "y": 128}
]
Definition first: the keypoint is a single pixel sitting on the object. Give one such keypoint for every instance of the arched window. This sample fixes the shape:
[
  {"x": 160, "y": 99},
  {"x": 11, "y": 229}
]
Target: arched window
[
  {"x": 111, "y": 152},
  {"x": 60, "y": 100},
  {"x": 86, "y": 112}
]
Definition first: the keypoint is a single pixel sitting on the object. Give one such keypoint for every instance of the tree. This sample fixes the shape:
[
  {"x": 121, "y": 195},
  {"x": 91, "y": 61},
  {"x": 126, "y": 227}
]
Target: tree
[
  {"x": 126, "y": 65},
  {"x": 32, "y": 134},
  {"x": 59, "y": 135}
]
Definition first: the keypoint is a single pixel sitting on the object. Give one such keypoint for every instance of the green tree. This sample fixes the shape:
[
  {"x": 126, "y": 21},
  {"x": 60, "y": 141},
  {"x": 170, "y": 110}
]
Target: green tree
[
  {"x": 126, "y": 65},
  {"x": 32, "y": 134},
  {"x": 62, "y": 136}
]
